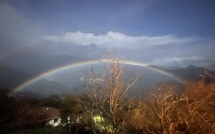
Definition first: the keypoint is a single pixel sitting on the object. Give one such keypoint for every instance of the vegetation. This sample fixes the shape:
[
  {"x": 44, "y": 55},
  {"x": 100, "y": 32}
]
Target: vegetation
[
  {"x": 46, "y": 130},
  {"x": 106, "y": 108}
]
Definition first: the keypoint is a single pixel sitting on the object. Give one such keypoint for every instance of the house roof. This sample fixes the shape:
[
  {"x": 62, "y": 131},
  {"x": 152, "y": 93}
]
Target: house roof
[{"x": 49, "y": 112}]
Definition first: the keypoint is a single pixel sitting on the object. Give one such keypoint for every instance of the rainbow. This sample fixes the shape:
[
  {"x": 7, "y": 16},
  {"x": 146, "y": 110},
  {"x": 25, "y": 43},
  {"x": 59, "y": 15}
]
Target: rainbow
[{"x": 90, "y": 62}]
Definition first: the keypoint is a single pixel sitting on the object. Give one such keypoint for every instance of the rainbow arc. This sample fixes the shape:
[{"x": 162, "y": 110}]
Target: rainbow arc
[{"x": 83, "y": 63}]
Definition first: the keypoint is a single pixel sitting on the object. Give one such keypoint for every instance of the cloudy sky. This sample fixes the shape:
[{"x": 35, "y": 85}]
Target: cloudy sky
[{"x": 160, "y": 32}]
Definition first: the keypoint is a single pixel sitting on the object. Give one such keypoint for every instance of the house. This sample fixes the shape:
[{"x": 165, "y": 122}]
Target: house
[{"x": 51, "y": 116}]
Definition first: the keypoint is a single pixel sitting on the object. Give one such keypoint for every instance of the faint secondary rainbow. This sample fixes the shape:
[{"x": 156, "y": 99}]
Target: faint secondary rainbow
[{"x": 90, "y": 62}]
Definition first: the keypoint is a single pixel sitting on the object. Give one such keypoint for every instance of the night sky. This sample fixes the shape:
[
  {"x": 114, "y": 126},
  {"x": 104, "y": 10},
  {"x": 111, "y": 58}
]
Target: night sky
[{"x": 160, "y": 32}]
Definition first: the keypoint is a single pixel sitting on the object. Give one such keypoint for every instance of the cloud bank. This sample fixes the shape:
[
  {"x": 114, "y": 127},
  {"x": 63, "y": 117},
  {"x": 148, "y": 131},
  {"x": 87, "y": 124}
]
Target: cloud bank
[
  {"x": 116, "y": 39},
  {"x": 165, "y": 50}
]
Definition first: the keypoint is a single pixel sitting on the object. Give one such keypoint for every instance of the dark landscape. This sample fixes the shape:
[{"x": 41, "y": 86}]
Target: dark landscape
[{"x": 107, "y": 67}]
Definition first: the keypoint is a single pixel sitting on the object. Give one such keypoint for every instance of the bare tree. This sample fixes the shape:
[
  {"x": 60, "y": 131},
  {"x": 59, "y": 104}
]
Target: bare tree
[
  {"x": 165, "y": 104},
  {"x": 164, "y": 111},
  {"x": 190, "y": 112},
  {"x": 140, "y": 118},
  {"x": 108, "y": 91},
  {"x": 198, "y": 110}
]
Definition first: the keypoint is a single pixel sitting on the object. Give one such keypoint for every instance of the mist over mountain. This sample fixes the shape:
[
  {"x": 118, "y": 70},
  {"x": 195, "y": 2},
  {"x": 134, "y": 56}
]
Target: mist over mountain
[
  {"x": 28, "y": 66},
  {"x": 35, "y": 64},
  {"x": 75, "y": 80},
  {"x": 9, "y": 77},
  {"x": 28, "y": 63}
]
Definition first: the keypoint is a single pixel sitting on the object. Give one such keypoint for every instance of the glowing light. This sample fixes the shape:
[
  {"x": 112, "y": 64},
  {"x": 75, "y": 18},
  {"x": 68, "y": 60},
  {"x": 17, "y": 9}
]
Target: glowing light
[
  {"x": 98, "y": 118},
  {"x": 102, "y": 123}
]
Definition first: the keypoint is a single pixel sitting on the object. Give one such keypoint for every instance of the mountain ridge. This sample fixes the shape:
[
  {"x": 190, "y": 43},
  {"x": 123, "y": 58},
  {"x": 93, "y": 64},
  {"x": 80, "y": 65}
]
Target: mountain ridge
[{"x": 12, "y": 77}]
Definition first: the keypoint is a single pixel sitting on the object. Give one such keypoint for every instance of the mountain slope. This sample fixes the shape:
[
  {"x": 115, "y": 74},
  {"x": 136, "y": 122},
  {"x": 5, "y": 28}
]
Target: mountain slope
[{"x": 192, "y": 73}]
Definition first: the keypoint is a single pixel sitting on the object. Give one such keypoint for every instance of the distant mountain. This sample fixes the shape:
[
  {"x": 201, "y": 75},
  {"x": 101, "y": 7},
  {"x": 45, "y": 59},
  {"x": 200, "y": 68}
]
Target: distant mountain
[
  {"x": 194, "y": 73},
  {"x": 69, "y": 81},
  {"x": 170, "y": 67},
  {"x": 153, "y": 75},
  {"x": 45, "y": 88}
]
